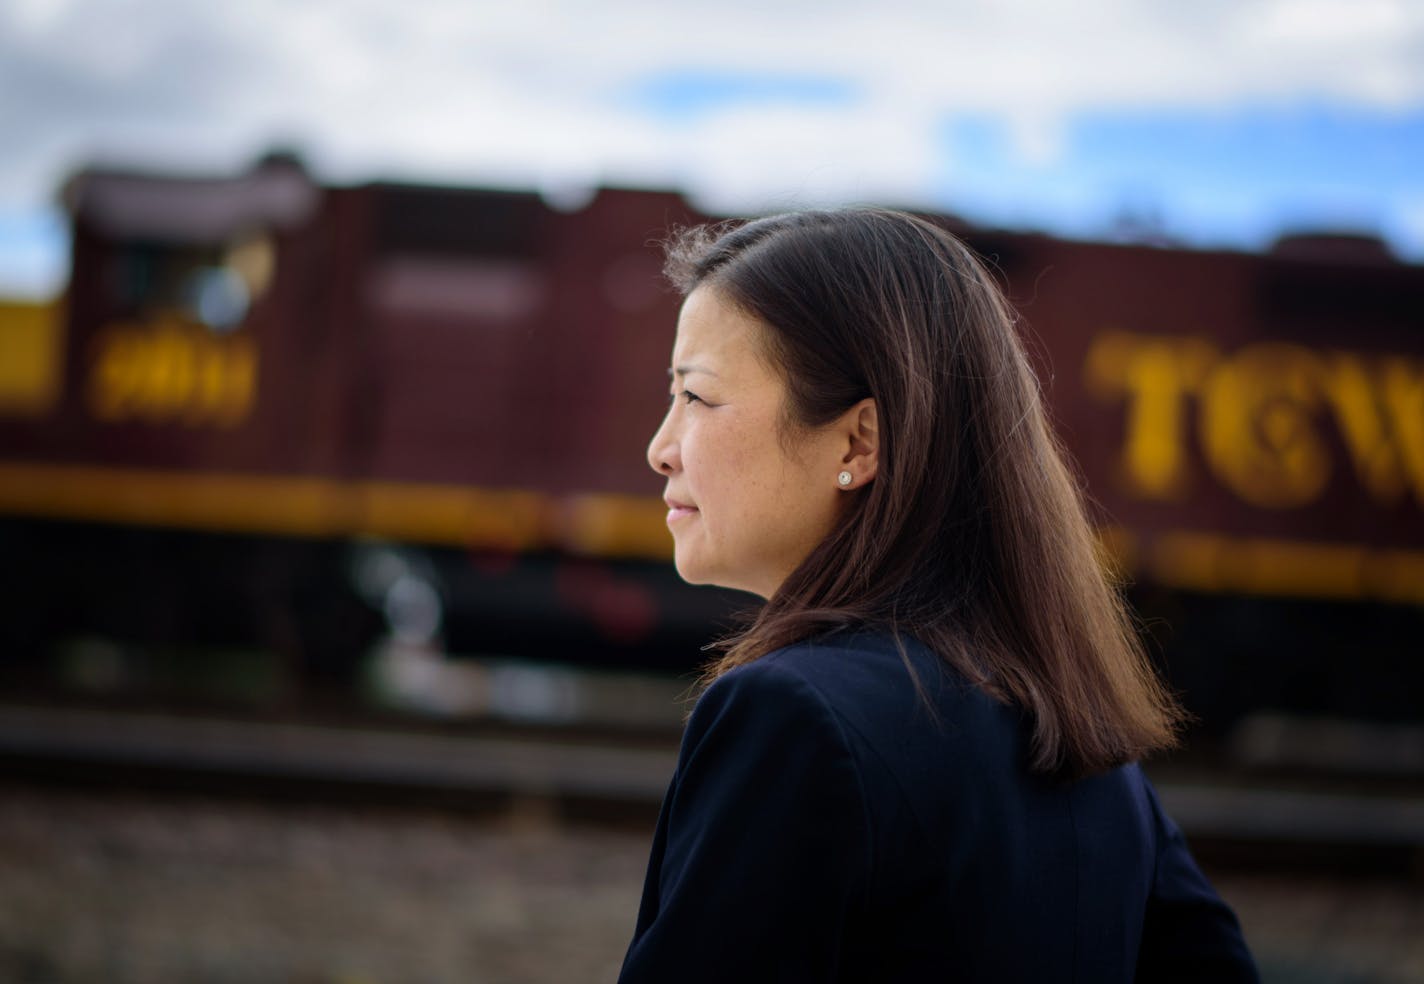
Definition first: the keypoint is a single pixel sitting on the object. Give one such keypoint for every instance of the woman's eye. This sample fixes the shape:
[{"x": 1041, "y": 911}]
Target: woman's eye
[{"x": 688, "y": 396}]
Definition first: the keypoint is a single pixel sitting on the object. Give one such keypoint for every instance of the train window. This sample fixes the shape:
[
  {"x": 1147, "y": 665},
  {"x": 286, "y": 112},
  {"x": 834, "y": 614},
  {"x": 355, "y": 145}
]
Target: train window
[
  {"x": 213, "y": 286},
  {"x": 217, "y": 295}
]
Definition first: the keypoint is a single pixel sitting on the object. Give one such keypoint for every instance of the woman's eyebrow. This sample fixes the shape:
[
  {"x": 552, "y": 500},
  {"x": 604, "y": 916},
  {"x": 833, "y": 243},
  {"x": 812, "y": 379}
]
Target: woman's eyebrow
[{"x": 684, "y": 370}]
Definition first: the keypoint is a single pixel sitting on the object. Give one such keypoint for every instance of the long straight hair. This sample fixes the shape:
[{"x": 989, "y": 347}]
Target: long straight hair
[{"x": 973, "y": 537}]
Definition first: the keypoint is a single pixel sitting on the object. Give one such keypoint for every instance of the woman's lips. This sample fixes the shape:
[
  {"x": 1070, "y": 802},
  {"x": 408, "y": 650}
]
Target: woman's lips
[{"x": 678, "y": 510}]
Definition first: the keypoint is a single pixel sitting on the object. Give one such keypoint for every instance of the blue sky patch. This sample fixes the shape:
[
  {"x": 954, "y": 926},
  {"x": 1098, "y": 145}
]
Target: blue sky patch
[
  {"x": 1236, "y": 177},
  {"x": 34, "y": 252}
]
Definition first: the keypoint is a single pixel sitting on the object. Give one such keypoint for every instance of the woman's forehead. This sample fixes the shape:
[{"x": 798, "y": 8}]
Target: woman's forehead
[{"x": 714, "y": 336}]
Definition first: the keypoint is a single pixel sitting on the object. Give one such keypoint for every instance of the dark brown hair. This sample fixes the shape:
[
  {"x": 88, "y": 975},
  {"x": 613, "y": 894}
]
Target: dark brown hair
[{"x": 973, "y": 537}]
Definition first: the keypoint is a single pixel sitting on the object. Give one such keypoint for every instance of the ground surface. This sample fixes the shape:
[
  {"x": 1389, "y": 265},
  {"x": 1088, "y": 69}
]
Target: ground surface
[{"x": 120, "y": 889}]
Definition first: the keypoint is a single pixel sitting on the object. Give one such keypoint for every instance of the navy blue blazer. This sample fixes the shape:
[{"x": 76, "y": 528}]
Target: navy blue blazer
[{"x": 824, "y": 825}]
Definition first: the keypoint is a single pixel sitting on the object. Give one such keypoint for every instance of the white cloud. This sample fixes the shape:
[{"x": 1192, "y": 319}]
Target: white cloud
[
  {"x": 783, "y": 158},
  {"x": 382, "y": 70},
  {"x": 530, "y": 93}
]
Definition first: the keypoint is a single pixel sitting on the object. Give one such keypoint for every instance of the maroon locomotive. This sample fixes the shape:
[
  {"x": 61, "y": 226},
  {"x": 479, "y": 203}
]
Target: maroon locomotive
[{"x": 256, "y": 388}]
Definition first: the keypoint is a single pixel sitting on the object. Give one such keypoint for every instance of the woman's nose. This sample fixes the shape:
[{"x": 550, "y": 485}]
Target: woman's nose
[{"x": 662, "y": 449}]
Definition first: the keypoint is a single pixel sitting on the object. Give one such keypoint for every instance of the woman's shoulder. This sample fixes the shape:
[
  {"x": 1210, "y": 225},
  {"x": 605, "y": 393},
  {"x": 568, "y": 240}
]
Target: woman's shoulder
[
  {"x": 832, "y": 672},
  {"x": 879, "y": 689},
  {"x": 870, "y": 668},
  {"x": 827, "y": 684}
]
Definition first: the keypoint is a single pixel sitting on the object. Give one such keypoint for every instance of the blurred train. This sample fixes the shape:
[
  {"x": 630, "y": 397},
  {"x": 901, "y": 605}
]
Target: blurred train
[{"x": 267, "y": 412}]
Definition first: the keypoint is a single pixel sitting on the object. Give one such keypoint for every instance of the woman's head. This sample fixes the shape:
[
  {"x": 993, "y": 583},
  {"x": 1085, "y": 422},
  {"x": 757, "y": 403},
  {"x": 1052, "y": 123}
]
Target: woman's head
[
  {"x": 886, "y": 350},
  {"x": 859, "y": 309},
  {"x": 749, "y": 496}
]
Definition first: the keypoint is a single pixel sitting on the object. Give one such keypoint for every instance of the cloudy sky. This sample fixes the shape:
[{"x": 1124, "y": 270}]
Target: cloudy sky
[{"x": 1215, "y": 122}]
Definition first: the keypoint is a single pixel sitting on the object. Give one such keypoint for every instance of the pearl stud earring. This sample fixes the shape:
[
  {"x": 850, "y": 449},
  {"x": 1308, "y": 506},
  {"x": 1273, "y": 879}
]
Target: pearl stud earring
[{"x": 844, "y": 478}]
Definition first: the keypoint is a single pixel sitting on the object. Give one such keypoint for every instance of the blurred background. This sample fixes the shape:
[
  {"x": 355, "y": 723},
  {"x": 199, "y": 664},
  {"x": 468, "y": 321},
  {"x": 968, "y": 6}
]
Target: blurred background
[{"x": 339, "y": 639}]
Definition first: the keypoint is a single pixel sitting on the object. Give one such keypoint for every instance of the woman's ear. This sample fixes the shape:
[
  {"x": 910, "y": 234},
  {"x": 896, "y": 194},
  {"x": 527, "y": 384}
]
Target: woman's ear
[{"x": 860, "y": 426}]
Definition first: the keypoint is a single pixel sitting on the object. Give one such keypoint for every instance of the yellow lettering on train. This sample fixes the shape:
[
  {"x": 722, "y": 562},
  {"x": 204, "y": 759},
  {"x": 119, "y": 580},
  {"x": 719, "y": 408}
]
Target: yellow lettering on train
[
  {"x": 1153, "y": 375},
  {"x": 1381, "y": 418},
  {"x": 1260, "y": 417},
  {"x": 1355, "y": 401},
  {"x": 170, "y": 371},
  {"x": 1256, "y": 426},
  {"x": 1404, "y": 403}
]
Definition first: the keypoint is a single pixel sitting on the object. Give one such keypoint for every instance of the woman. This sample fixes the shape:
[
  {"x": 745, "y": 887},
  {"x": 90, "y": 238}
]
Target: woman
[{"x": 916, "y": 764}]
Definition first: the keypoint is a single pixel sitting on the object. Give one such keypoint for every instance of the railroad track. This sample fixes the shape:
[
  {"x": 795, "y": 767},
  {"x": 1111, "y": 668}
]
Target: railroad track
[
  {"x": 386, "y": 765},
  {"x": 576, "y": 772}
]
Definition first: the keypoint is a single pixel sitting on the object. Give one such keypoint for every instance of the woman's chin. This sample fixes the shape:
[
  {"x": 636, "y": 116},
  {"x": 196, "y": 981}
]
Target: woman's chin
[
  {"x": 690, "y": 570},
  {"x": 701, "y": 575}
]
